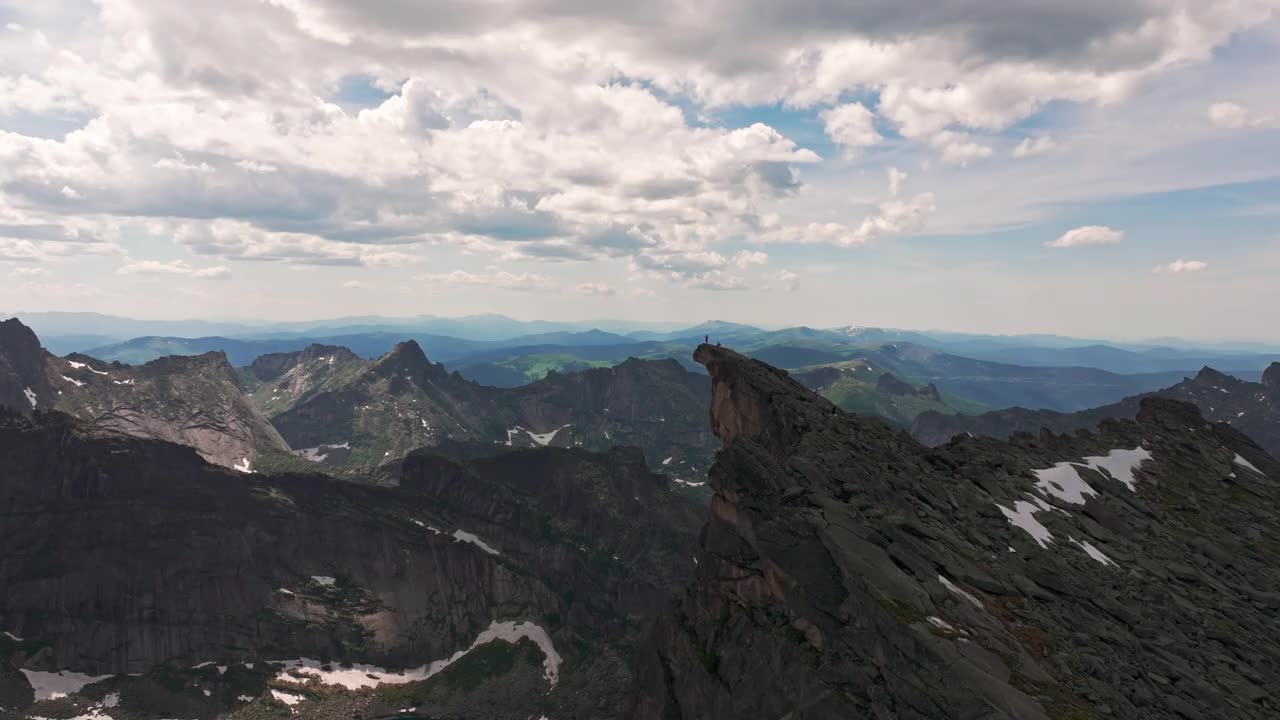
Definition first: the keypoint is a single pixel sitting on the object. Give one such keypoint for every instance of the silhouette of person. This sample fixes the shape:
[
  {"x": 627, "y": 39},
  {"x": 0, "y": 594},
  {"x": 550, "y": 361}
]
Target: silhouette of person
[{"x": 706, "y": 339}]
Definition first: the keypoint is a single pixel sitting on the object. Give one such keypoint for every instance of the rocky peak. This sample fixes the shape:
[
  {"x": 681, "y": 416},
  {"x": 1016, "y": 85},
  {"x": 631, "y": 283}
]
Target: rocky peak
[
  {"x": 327, "y": 353},
  {"x": 754, "y": 401},
  {"x": 20, "y": 344},
  {"x": 23, "y": 385},
  {"x": 408, "y": 359},
  {"x": 1271, "y": 377},
  {"x": 1209, "y": 375}
]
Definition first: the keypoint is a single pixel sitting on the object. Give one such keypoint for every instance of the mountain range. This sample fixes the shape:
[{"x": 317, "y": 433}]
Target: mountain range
[
  {"x": 324, "y": 408},
  {"x": 843, "y": 570},
  {"x": 194, "y": 400},
  {"x": 1252, "y": 408}
]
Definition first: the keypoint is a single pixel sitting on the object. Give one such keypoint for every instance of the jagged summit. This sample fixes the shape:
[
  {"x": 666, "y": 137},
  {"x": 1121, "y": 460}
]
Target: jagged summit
[
  {"x": 195, "y": 400},
  {"x": 23, "y": 385},
  {"x": 407, "y": 358},
  {"x": 1208, "y": 374},
  {"x": 1271, "y": 377},
  {"x": 847, "y": 571}
]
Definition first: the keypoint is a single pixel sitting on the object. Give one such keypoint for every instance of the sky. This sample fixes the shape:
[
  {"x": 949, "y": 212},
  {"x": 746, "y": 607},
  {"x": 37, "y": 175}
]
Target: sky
[{"x": 1099, "y": 168}]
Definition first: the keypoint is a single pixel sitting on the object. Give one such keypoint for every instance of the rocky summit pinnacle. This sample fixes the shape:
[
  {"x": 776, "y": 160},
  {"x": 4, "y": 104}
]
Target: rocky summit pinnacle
[
  {"x": 1271, "y": 377},
  {"x": 194, "y": 400},
  {"x": 847, "y": 571}
]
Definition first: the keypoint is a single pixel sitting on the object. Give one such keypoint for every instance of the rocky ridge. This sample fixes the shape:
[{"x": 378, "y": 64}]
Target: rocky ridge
[
  {"x": 847, "y": 571},
  {"x": 348, "y": 412},
  {"x": 192, "y": 400},
  {"x": 1252, "y": 408}
]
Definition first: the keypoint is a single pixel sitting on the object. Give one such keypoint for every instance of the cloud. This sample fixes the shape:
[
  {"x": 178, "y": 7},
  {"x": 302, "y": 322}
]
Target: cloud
[
  {"x": 786, "y": 280},
  {"x": 173, "y": 267},
  {"x": 595, "y": 289},
  {"x": 1087, "y": 235},
  {"x": 243, "y": 241},
  {"x": 28, "y": 272},
  {"x": 529, "y": 282},
  {"x": 518, "y": 134},
  {"x": 716, "y": 280},
  {"x": 958, "y": 148},
  {"x": 1033, "y": 146},
  {"x": 747, "y": 258},
  {"x": 896, "y": 178},
  {"x": 353, "y": 285},
  {"x": 1235, "y": 116},
  {"x": 1180, "y": 266},
  {"x": 851, "y": 125}
]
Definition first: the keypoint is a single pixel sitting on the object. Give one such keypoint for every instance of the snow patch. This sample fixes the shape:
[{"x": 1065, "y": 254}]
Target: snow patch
[
  {"x": 287, "y": 698},
  {"x": 364, "y": 676},
  {"x": 83, "y": 366},
  {"x": 1023, "y": 516},
  {"x": 543, "y": 439},
  {"x": 1246, "y": 464},
  {"x": 73, "y": 381},
  {"x": 667, "y": 461},
  {"x": 1121, "y": 463},
  {"x": 13, "y": 637},
  {"x": 123, "y": 382},
  {"x": 243, "y": 466},
  {"x": 51, "y": 686},
  {"x": 31, "y": 397},
  {"x": 1093, "y": 552},
  {"x": 1063, "y": 481},
  {"x": 245, "y": 698},
  {"x": 320, "y": 452},
  {"x": 421, "y": 524},
  {"x": 952, "y": 587},
  {"x": 687, "y": 483},
  {"x": 464, "y": 536},
  {"x": 323, "y": 580},
  {"x": 940, "y": 623}
]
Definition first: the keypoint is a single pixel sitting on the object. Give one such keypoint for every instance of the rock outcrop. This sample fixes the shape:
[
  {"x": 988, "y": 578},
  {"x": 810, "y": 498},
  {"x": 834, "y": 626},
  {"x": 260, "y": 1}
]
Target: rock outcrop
[
  {"x": 23, "y": 382},
  {"x": 847, "y": 571},
  {"x": 191, "y": 400},
  {"x": 122, "y": 555}
]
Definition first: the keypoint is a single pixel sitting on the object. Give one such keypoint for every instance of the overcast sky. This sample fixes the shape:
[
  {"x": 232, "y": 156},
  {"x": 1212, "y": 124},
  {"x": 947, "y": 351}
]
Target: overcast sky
[{"x": 1092, "y": 167}]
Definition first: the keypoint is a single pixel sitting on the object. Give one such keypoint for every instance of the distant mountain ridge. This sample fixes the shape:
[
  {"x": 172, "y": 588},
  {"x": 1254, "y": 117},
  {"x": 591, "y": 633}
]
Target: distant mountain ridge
[
  {"x": 1252, "y": 408},
  {"x": 326, "y": 401}
]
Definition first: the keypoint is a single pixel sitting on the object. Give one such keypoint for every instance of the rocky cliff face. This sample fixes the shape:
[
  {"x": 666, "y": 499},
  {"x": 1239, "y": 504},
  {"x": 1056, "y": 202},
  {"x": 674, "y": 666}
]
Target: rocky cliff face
[
  {"x": 847, "y": 571},
  {"x": 195, "y": 400},
  {"x": 122, "y": 555},
  {"x": 23, "y": 382},
  {"x": 1252, "y": 408}
]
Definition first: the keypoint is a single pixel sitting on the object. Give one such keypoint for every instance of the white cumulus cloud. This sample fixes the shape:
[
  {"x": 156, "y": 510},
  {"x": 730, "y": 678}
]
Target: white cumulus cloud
[
  {"x": 1181, "y": 266},
  {"x": 1087, "y": 235},
  {"x": 851, "y": 125},
  {"x": 1033, "y": 146},
  {"x": 528, "y": 282},
  {"x": 173, "y": 267}
]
